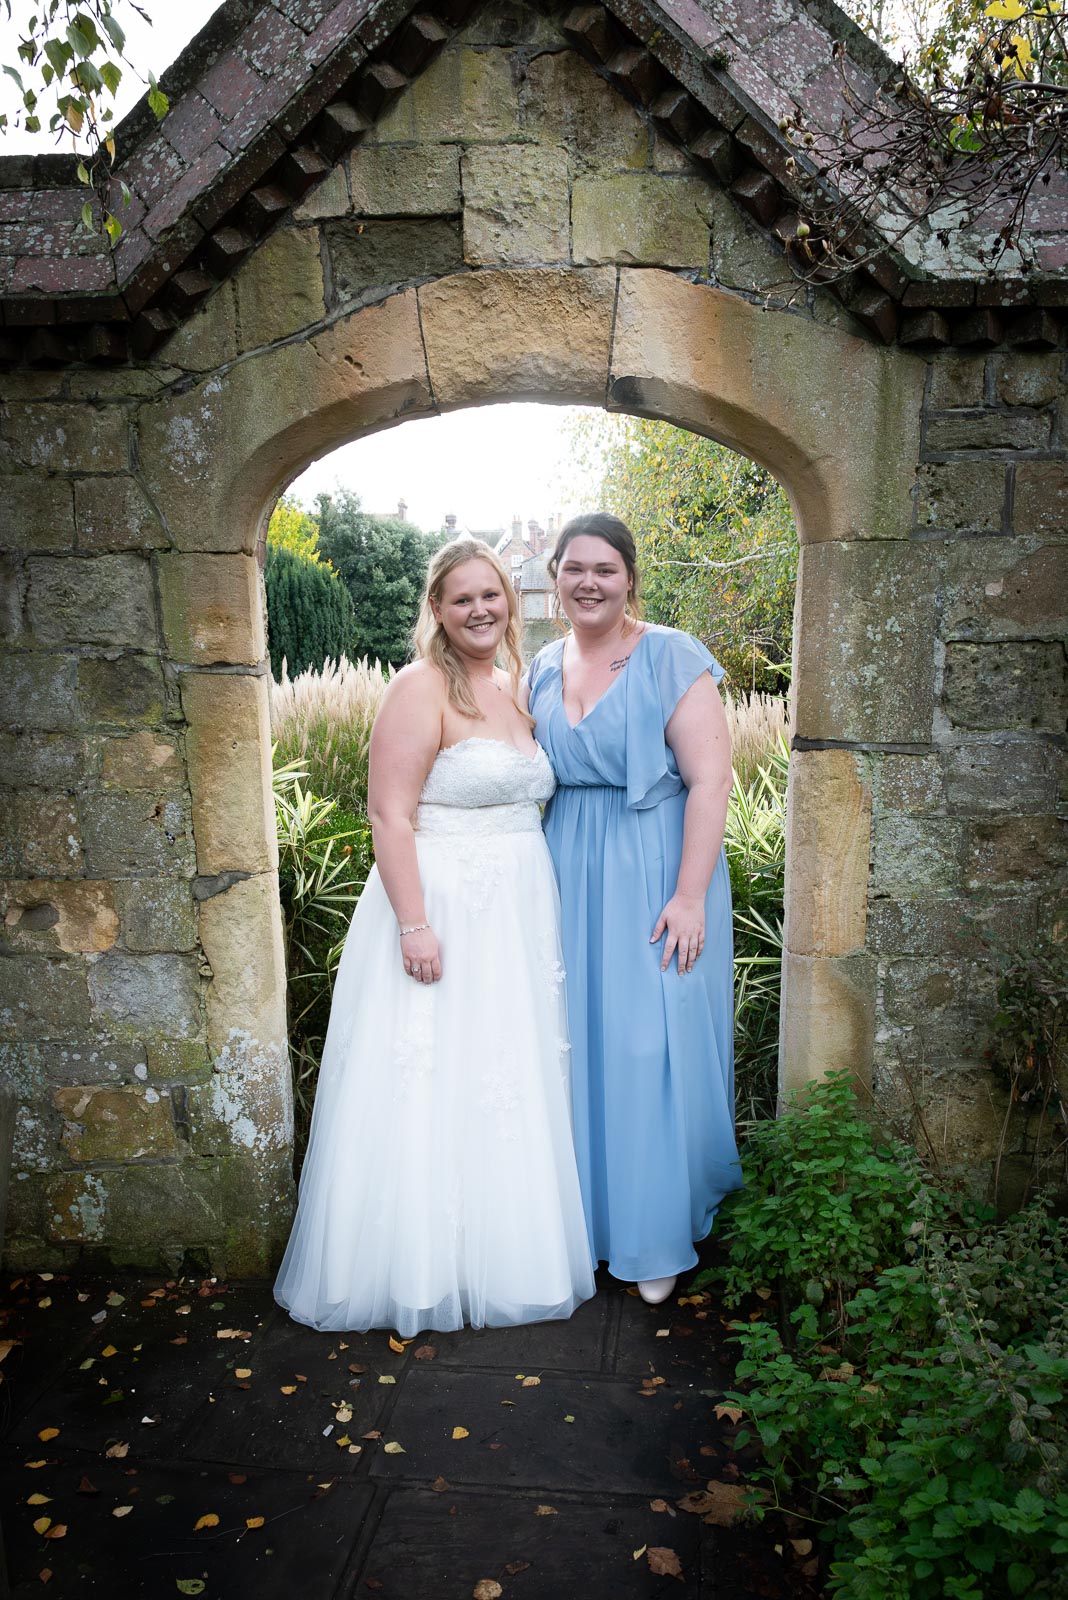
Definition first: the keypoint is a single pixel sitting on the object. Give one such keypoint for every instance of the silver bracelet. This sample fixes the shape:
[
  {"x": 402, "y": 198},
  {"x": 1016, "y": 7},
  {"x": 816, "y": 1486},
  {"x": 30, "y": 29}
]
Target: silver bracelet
[{"x": 416, "y": 928}]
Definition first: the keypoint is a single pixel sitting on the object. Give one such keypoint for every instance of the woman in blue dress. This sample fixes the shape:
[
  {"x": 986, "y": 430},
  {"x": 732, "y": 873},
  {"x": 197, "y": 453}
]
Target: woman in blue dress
[{"x": 631, "y": 719}]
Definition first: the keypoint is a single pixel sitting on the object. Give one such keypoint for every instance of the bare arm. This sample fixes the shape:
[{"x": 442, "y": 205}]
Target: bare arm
[
  {"x": 404, "y": 741},
  {"x": 697, "y": 736}
]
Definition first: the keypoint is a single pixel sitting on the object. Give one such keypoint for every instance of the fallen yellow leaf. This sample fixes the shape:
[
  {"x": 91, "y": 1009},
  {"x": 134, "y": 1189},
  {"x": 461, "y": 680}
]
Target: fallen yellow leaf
[
  {"x": 545, "y": 1511},
  {"x": 42, "y": 1524},
  {"x": 117, "y": 1451},
  {"x": 396, "y": 1345},
  {"x": 343, "y": 1414},
  {"x": 254, "y": 1522},
  {"x": 460, "y": 1433},
  {"x": 387, "y": 1377},
  {"x": 208, "y": 1520},
  {"x": 343, "y": 1441},
  {"x": 487, "y": 1589},
  {"x": 109, "y": 1350},
  {"x": 48, "y": 1433},
  {"x": 636, "y": 1555},
  {"x": 531, "y": 1383},
  {"x": 394, "y": 1449},
  {"x": 34, "y": 1465},
  {"x": 289, "y": 1388},
  {"x": 242, "y": 1372},
  {"x": 39, "y": 1500},
  {"x": 121, "y": 1511}
]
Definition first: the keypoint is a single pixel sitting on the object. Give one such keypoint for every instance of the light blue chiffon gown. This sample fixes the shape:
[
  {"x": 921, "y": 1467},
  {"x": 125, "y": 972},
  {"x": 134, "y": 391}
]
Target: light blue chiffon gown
[{"x": 653, "y": 1052}]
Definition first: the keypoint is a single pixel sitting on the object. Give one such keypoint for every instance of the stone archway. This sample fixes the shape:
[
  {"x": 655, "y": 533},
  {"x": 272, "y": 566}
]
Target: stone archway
[{"x": 635, "y": 340}]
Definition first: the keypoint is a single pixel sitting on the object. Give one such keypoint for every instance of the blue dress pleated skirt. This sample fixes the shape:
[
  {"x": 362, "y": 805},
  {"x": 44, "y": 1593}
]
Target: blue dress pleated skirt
[{"x": 652, "y": 1052}]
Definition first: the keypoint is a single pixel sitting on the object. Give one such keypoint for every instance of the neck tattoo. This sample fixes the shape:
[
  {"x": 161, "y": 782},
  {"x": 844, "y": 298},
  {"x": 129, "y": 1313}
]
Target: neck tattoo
[{"x": 614, "y": 666}]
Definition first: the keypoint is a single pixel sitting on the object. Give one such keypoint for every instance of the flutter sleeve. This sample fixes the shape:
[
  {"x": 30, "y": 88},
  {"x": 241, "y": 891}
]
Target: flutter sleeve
[{"x": 671, "y": 664}]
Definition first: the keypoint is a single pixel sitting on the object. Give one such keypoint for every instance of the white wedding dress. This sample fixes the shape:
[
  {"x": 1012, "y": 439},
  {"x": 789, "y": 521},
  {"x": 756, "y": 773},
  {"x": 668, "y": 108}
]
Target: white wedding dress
[{"x": 440, "y": 1184}]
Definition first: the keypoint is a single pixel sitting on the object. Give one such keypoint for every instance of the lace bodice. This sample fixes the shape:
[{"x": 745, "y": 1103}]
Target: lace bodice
[{"x": 484, "y": 786}]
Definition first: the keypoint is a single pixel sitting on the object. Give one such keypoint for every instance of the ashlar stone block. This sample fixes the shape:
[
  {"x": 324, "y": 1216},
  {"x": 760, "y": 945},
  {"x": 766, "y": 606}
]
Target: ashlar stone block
[
  {"x": 39, "y": 692},
  {"x": 143, "y": 760},
  {"x": 228, "y": 748},
  {"x": 643, "y": 219},
  {"x": 866, "y": 632},
  {"x": 1015, "y": 777},
  {"x": 280, "y": 287},
  {"x": 962, "y": 496},
  {"x": 69, "y": 438},
  {"x": 827, "y": 1021},
  {"x": 209, "y": 338},
  {"x": 562, "y": 100},
  {"x": 1015, "y": 850},
  {"x": 463, "y": 94},
  {"x": 405, "y": 181},
  {"x": 1040, "y": 508},
  {"x": 367, "y": 258},
  {"x": 106, "y": 600},
  {"x": 515, "y": 205},
  {"x": 913, "y": 784},
  {"x": 1026, "y": 379},
  {"x": 1023, "y": 684},
  {"x": 38, "y": 513},
  {"x": 132, "y": 834},
  {"x": 49, "y": 835},
  {"x": 501, "y": 334},
  {"x": 328, "y": 199},
  {"x": 957, "y": 381},
  {"x": 241, "y": 934},
  {"x": 915, "y": 858},
  {"x": 121, "y": 1123},
  {"x": 212, "y": 610},
  {"x": 998, "y": 588},
  {"x": 828, "y": 833},
  {"x": 157, "y": 915},
  {"x": 41, "y": 998},
  {"x": 157, "y": 993},
  {"x": 115, "y": 514},
  {"x": 50, "y": 918},
  {"x": 123, "y": 692}
]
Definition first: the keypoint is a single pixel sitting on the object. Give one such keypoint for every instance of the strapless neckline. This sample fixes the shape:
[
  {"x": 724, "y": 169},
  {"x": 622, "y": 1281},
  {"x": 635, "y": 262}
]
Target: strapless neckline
[{"x": 505, "y": 744}]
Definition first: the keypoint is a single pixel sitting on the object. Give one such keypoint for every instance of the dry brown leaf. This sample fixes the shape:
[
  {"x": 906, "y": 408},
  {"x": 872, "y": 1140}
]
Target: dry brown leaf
[
  {"x": 121, "y": 1511},
  {"x": 117, "y": 1451},
  {"x": 288, "y": 1388},
  {"x": 357, "y": 1367},
  {"x": 208, "y": 1520},
  {"x": 731, "y": 1413},
  {"x": 440, "y": 1484},
  {"x": 530, "y": 1383},
  {"x": 374, "y": 1434},
  {"x": 397, "y": 1345},
  {"x": 487, "y": 1589},
  {"x": 229, "y": 1333},
  {"x": 425, "y": 1352},
  {"x": 183, "y": 1338},
  {"x": 460, "y": 1433},
  {"x": 838, "y": 1374},
  {"x": 545, "y": 1511},
  {"x": 6, "y": 1347},
  {"x": 729, "y": 1504},
  {"x": 802, "y": 1547},
  {"x": 698, "y": 1503},
  {"x": 254, "y": 1522},
  {"x": 48, "y": 1433},
  {"x": 237, "y": 1477},
  {"x": 663, "y": 1562},
  {"x": 659, "y": 1505},
  {"x": 59, "y": 1531},
  {"x": 45, "y": 1574},
  {"x": 86, "y": 1486},
  {"x": 343, "y": 1414},
  {"x": 242, "y": 1372},
  {"x": 514, "y": 1568}
]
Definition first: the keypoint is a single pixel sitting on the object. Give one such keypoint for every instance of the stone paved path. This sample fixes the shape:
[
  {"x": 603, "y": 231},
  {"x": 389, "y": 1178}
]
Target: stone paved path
[{"x": 404, "y": 1510}]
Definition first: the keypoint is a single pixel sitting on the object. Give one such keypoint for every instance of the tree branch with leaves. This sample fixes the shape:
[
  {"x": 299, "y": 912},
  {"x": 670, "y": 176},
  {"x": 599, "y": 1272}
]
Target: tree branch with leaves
[{"x": 69, "y": 62}]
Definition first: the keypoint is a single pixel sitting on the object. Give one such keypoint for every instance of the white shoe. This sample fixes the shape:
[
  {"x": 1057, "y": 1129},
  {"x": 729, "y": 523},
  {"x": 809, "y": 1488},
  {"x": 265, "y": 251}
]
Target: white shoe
[{"x": 655, "y": 1290}]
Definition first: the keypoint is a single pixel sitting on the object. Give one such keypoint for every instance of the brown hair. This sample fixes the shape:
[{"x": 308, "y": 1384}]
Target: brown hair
[
  {"x": 431, "y": 641},
  {"x": 600, "y": 525}
]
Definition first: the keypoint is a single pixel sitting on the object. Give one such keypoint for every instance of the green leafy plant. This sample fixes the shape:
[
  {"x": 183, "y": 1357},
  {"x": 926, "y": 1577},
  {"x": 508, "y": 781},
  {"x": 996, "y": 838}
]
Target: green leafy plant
[
  {"x": 909, "y": 1387},
  {"x": 324, "y": 856},
  {"x": 755, "y": 839}
]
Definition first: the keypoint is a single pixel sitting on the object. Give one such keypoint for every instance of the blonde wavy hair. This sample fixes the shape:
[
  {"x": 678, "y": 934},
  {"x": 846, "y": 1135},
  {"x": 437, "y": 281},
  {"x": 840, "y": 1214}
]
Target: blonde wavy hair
[{"x": 432, "y": 642}]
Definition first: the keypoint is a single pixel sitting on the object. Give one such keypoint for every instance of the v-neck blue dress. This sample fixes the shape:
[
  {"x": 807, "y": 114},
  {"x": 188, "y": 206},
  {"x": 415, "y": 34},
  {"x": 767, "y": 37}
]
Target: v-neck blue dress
[{"x": 653, "y": 1052}]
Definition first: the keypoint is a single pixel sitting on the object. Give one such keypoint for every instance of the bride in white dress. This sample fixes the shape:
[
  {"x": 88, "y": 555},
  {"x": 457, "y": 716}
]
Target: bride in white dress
[{"x": 440, "y": 1184}]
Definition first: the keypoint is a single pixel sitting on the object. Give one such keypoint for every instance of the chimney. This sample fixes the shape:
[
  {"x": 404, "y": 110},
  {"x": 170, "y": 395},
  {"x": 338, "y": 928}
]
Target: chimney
[
  {"x": 535, "y": 536},
  {"x": 450, "y": 522},
  {"x": 517, "y": 527},
  {"x": 402, "y": 508}
]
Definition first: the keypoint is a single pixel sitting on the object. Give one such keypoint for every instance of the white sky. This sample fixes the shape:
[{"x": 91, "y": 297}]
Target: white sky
[{"x": 486, "y": 465}]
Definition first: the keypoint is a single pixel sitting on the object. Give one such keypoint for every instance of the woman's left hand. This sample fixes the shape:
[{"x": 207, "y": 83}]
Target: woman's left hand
[{"x": 683, "y": 920}]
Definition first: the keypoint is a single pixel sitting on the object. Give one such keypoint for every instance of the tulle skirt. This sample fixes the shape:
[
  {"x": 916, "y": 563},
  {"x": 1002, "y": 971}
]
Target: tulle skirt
[{"x": 440, "y": 1184}]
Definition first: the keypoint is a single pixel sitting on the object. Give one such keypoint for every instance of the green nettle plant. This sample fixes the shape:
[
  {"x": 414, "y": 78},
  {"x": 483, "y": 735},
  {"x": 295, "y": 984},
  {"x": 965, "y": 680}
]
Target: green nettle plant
[
  {"x": 324, "y": 856},
  {"x": 912, "y": 1391}
]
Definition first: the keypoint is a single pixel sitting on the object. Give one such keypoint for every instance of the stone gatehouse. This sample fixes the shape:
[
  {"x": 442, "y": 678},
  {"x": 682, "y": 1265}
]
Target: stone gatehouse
[{"x": 358, "y": 212}]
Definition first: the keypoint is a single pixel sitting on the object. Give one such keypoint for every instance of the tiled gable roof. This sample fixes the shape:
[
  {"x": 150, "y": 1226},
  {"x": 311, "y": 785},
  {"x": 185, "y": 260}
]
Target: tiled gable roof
[{"x": 273, "y": 92}]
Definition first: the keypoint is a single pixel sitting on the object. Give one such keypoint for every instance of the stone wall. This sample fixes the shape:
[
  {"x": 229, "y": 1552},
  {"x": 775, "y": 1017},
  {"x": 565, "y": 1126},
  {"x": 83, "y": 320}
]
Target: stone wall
[{"x": 512, "y": 228}]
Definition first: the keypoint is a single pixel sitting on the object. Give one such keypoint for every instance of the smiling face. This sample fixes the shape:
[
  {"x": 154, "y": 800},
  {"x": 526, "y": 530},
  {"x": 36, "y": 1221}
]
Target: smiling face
[
  {"x": 593, "y": 583},
  {"x": 473, "y": 609}
]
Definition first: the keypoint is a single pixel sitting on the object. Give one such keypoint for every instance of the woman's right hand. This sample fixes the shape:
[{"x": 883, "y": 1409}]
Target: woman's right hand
[{"x": 421, "y": 955}]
